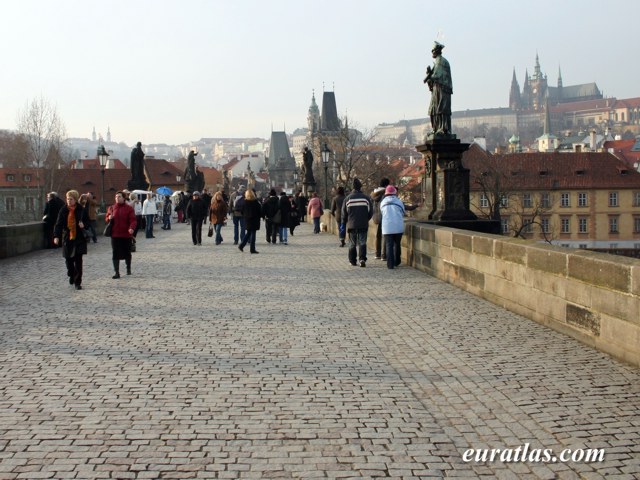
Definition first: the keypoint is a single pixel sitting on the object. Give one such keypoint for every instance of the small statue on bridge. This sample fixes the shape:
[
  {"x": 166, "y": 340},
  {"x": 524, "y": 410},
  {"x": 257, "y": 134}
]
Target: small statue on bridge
[
  {"x": 307, "y": 167},
  {"x": 441, "y": 87},
  {"x": 190, "y": 173}
]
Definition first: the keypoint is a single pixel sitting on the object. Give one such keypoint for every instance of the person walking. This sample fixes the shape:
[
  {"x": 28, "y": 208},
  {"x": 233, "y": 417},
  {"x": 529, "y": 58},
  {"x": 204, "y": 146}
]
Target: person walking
[
  {"x": 50, "y": 217},
  {"x": 92, "y": 214},
  {"x": 167, "y": 208},
  {"x": 69, "y": 232},
  {"x": 196, "y": 211},
  {"x": 357, "y": 210},
  {"x": 252, "y": 213},
  {"x": 206, "y": 198},
  {"x": 284, "y": 204},
  {"x": 392, "y": 211},
  {"x": 270, "y": 212},
  {"x": 294, "y": 216},
  {"x": 123, "y": 224},
  {"x": 336, "y": 211},
  {"x": 377, "y": 196},
  {"x": 301, "y": 205},
  {"x": 218, "y": 215},
  {"x": 237, "y": 200},
  {"x": 315, "y": 211},
  {"x": 149, "y": 212}
]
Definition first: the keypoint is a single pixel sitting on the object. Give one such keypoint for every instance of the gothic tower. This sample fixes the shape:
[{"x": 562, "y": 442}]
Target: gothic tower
[
  {"x": 514, "y": 95},
  {"x": 313, "y": 117}
]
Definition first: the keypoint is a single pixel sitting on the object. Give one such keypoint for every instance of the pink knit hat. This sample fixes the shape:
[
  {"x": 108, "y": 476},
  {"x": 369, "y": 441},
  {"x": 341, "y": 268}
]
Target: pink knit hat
[{"x": 390, "y": 190}]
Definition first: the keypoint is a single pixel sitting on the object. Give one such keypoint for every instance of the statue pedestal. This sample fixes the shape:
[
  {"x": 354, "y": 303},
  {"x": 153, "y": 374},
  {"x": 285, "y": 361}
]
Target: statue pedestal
[
  {"x": 447, "y": 186},
  {"x": 137, "y": 184},
  {"x": 308, "y": 188}
]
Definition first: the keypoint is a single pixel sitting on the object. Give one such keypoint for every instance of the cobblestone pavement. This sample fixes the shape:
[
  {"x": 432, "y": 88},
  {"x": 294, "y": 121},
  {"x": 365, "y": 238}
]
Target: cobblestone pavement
[{"x": 211, "y": 363}]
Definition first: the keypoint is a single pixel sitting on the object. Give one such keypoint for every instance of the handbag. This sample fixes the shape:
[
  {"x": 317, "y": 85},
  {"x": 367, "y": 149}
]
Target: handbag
[
  {"x": 277, "y": 218},
  {"x": 210, "y": 233},
  {"x": 133, "y": 245},
  {"x": 107, "y": 229}
]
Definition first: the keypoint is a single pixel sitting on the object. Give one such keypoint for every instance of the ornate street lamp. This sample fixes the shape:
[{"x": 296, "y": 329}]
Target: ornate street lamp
[
  {"x": 103, "y": 157},
  {"x": 325, "y": 160}
]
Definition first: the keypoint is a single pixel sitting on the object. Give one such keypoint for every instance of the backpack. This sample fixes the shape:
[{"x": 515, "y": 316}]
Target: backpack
[{"x": 237, "y": 203}]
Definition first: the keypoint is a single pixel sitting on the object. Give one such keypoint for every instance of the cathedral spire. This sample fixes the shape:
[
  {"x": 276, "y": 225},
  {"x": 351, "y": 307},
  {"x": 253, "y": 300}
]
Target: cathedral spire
[
  {"x": 313, "y": 117},
  {"x": 559, "y": 78},
  {"x": 514, "y": 95}
]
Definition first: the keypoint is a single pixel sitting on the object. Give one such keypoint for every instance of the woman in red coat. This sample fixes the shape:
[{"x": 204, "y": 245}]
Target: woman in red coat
[{"x": 123, "y": 224}]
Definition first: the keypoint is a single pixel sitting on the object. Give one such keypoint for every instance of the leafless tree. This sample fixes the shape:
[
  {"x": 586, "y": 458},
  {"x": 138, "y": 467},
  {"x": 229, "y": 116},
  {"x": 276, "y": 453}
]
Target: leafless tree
[{"x": 44, "y": 134}]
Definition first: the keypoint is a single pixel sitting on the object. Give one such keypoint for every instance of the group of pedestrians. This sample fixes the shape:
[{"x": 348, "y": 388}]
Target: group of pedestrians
[{"x": 75, "y": 222}]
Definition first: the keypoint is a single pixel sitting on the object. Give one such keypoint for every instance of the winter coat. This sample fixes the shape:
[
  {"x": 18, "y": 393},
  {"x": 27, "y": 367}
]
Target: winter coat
[
  {"x": 218, "y": 212},
  {"x": 149, "y": 207},
  {"x": 197, "y": 210},
  {"x": 357, "y": 210},
  {"x": 336, "y": 207},
  {"x": 392, "y": 210},
  {"x": 71, "y": 248},
  {"x": 124, "y": 219},
  {"x": 314, "y": 208},
  {"x": 285, "y": 211},
  {"x": 270, "y": 207},
  {"x": 252, "y": 213}
]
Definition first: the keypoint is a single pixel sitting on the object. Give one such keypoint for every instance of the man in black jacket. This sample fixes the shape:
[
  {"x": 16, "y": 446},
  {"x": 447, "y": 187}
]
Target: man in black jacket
[
  {"x": 357, "y": 210},
  {"x": 196, "y": 211}
]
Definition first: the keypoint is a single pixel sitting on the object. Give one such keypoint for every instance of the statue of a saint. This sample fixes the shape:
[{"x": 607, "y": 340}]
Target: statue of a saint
[
  {"x": 199, "y": 183},
  {"x": 190, "y": 173},
  {"x": 137, "y": 163},
  {"x": 307, "y": 167},
  {"x": 439, "y": 81}
]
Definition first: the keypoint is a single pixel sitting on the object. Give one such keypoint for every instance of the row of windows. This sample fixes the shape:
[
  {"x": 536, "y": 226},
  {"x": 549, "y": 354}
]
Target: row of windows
[
  {"x": 565, "y": 200},
  {"x": 10, "y": 204},
  {"x": 12, "y": 177},
  {"x": 565, "y": 225}
]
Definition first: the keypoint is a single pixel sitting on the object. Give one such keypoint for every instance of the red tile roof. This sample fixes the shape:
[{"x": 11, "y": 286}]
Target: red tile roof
[{"x": 553, "y": 171}]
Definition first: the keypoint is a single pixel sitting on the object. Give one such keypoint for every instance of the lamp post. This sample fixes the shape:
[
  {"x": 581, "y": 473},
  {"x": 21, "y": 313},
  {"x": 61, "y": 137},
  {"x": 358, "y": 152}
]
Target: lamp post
[
  {"x": 325, "y": 160},
  {"x": 103, "y": 157},
  {"x": 178, "y": 178},
  {"x": 295, "y": 180}
]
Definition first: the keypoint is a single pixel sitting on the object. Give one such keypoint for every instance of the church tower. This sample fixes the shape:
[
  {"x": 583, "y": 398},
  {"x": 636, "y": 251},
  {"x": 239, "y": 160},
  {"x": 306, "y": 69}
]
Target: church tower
[
  {"x": 514, "y": 95},
  {"x": 93, "y": 135},
  {"x": 109, "y": 134},
  {"x": 313, "y": 117},
  {"x": 538, "y": 87}
]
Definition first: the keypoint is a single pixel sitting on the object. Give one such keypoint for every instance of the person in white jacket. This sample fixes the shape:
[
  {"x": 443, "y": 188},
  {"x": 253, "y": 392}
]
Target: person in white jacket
[
  {"x": 392, "y": 210},
  {"x": 149, "y": 211}
]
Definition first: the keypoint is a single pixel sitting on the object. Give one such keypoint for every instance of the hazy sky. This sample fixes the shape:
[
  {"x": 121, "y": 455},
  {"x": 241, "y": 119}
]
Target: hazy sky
[{"x": 173, "y": 71}]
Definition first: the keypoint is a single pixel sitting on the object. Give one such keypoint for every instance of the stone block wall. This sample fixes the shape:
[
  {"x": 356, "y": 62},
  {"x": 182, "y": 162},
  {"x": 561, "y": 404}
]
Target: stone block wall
[{"x": 593, "y": 297}]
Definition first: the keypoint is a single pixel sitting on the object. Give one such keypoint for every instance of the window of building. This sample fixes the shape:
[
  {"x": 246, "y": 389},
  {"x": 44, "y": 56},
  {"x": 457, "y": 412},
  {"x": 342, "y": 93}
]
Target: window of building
[
  {"x": 583, "y": 225},
  {"x": 582, "y": 199},
  {"x": 636, "y": 224},
  {"x": 565, "y": 199},
  {"x": 613, "y": 199},
  {"x": 504, "y": 201},
  {"x": 10, "y": 204},
  {"x": 544, "y": 225},
  {"x": 504, "y": 223},
  {"x": 26, "y": 177},
  {"x": 613, "y": 224},
  {"x": 527, "y": 225},
  {"x": 11, "y": 177},
  {"x": 526, "y": 200},
  {"x": 484, "y": 201},
  {"x": 636, "y": 199},
  {"x": 582, "y": 245},
  {"x": 565, "y": 225},
  {"x": 545, "y": 200},
  {"x": 30, "y": 204}
]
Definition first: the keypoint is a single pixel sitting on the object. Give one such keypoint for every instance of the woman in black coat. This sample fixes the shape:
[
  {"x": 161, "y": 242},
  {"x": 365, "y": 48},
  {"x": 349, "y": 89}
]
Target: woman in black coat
[
  {"x": 285, "y": 216},
  {"x": 69, "y": 231},
  {"x": 252, "y": 213}
]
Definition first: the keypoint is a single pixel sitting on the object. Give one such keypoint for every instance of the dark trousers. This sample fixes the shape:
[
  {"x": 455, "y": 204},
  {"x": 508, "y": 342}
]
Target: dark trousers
[
  {"x": 74, "y": 269},
  {"x": 196, "y": 231},
  {"x": 357, "y": 245},
  {"x": 381, "y": 247},
  {"x": 272, "y": 231},
  {"x": 392, "y": 242},
  {"x": 250, "y": 238}
]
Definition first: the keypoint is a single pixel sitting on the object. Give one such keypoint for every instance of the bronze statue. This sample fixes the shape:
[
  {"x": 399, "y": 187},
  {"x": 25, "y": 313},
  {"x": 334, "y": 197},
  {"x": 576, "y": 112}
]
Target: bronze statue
[
  {"x": 190, "y": 174},
  {"x": 441, "y": 87},
  {"x": 137, "y": 163},
  {"x": 307, "y": 167}
]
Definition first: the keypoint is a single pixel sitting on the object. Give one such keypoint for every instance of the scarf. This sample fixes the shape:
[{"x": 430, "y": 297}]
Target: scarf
[{"x": 71, "y": 223}]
